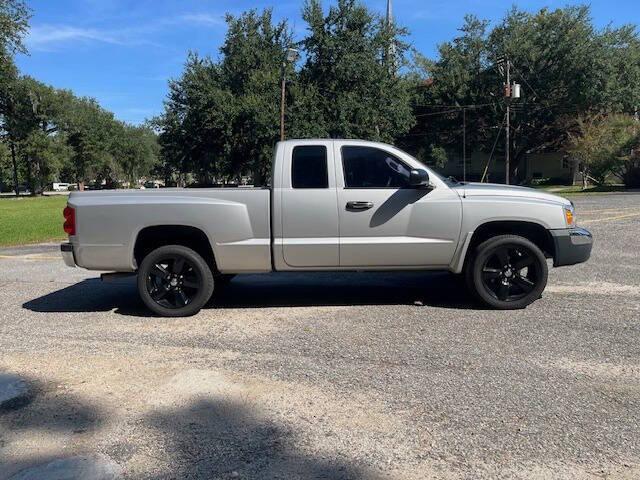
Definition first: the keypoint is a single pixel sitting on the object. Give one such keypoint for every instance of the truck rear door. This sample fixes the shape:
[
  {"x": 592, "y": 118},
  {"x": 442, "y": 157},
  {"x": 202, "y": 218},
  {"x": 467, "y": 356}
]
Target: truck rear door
[{"x": 308, "y": 206}]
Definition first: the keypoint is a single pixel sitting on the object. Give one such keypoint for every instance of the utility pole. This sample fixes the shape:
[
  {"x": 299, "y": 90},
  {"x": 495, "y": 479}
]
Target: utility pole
[
  {"x": 507, "y": 94},
  {"x": 391, "y": 48},
  {"x": 282, "y": 100},
  {"x": 291, "y": 55},
  {"x": 464, "y": 144}
]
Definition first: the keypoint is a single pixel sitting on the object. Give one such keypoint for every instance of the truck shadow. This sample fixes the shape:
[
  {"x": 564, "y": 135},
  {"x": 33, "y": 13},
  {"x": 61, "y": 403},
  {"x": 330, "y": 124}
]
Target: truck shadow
[{"x": 436, "y": 289}]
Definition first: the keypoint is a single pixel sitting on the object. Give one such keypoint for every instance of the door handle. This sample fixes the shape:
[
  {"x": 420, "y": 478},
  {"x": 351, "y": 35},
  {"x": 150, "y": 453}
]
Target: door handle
[{"x": 359, "y": 205}]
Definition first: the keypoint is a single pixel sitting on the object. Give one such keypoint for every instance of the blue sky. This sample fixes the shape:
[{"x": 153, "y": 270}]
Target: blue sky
[{"x": 122, "y": 52}]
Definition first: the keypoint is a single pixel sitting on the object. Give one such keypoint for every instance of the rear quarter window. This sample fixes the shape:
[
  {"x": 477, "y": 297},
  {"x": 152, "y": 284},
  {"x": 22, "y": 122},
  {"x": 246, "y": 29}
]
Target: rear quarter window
[{"x": 309, "y": 167}]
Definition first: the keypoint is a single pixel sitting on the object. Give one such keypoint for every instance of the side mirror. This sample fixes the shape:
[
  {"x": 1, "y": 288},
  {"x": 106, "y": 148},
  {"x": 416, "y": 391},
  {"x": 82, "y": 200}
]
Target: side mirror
[{"x": 418, "y": 177}]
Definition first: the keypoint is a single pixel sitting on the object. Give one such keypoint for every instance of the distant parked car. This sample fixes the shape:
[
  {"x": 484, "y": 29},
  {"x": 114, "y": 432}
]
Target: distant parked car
[{"x": 60, "y": 187}]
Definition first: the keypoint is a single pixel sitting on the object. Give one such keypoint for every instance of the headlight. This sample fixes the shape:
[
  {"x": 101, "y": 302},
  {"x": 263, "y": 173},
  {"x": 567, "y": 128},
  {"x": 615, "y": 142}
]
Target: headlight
[{"x": 570, "y": 216}]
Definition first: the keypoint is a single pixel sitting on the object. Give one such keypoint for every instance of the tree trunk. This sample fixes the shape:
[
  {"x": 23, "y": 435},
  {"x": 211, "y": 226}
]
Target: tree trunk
[
  {"x": 15, "y": 169},
  {"x": 29, "y": 176},
  {"x": 43, "y": 180}
]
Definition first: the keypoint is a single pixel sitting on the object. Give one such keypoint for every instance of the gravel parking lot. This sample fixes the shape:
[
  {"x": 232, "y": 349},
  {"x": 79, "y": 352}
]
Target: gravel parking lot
[{"x": 330, "y": 375}]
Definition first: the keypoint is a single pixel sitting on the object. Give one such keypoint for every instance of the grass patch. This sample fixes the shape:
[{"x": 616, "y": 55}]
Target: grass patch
[{"x": 31, "y": 220}]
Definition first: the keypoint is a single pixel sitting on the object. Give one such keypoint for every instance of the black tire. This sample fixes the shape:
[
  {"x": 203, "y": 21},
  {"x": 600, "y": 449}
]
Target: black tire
[
  {"x": 175, "y": 281},
  {"x": 507, "y": 272}
]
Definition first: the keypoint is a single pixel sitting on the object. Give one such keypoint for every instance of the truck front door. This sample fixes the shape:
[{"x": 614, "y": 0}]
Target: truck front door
[{"x": 384, "y": 222}]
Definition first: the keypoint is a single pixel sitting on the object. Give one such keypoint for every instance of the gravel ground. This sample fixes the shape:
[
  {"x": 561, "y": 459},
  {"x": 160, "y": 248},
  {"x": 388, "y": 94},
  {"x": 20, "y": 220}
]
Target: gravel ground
[{"x": 331, "y": 375}]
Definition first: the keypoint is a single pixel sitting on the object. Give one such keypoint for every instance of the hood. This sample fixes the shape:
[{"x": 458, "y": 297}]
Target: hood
[{"x": 499, "y": 190}]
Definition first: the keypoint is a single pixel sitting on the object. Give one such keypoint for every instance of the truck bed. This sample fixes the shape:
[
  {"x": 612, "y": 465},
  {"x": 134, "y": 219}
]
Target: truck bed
[{"x": 236, "y": 221}]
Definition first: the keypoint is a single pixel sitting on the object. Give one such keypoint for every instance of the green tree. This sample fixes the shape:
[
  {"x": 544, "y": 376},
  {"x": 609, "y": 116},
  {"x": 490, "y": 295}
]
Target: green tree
[
  {"x": 567, "y": 69},
  {"x": 136, "y": 151},
  {"x": 41, "y": 147},
  {"x": 48, "y": 132},
  {"x": 221, "y": 119},
  {"x": 438, "y": 156},
  {"x": 351, "y": 79},
  {"x": 89, "y": 130},
  {"x": 616, "y": 69},
  {"x": 608, "y": 144},
  {"x": 14, "y": 24},
  {"x": 6, "y": 181},
  {"x": 17, "y": 123},
  {"x": 253, "y": 53},
  {"x": 196, "y": 125}
]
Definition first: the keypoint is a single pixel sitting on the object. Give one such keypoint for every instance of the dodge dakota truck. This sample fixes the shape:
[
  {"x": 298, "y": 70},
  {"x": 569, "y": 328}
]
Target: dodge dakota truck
[{"x": 335, "y": 205}]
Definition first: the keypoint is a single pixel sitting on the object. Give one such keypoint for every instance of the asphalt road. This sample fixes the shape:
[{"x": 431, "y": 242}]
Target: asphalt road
[{"x": 332, "y": 375}]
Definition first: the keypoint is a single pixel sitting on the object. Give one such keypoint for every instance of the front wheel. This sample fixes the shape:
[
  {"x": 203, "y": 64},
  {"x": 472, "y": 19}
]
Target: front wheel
[
  {"x": 507, "y": 272},
  {"x": 174, "y": 281}
]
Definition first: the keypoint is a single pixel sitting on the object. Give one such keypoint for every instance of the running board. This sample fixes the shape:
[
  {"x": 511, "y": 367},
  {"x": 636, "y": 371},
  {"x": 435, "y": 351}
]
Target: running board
[{"x": 113, "y": 276}]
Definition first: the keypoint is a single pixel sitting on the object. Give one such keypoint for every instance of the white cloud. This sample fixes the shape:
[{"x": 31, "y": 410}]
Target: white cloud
[
  {"x": 202, "y": 19},
  {"x": 43, "y": 36},
  {"x": 48, "y": 36}
]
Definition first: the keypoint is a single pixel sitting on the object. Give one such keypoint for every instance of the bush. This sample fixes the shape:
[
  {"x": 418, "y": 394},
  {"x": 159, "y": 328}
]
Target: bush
[{"x": 606, "y": 145}]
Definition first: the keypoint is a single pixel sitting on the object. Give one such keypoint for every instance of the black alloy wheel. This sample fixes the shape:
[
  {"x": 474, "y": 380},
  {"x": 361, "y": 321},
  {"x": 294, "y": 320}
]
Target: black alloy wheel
[
  {"x": 175, "y": 281},
  {"x": 508, "y": 272}
]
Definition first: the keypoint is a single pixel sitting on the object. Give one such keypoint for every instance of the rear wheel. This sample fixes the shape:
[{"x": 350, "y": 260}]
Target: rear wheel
[
  {"x": 174, "y": 281},
  {"x": 507, "y": 272}
]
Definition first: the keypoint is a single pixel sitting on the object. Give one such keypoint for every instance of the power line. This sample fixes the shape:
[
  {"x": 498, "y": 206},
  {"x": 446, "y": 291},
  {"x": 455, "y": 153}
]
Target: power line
[
  {"x": 451, "y": 131},
  {"x": 478, "y": 105},
  {"x": 452, "y": 109},
  {"x": 436, "y": 113}
]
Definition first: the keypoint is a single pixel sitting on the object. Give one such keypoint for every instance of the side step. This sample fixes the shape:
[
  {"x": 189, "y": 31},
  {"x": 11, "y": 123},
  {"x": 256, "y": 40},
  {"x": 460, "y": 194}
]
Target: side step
[{"x": 114, "y": 276}]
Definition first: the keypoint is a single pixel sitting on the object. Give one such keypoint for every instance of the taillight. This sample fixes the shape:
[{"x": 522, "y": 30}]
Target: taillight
[{"x": 69, "y": 220}]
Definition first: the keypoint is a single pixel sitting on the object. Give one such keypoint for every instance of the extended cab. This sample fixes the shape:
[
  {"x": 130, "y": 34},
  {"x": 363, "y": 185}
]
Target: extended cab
[{"x": 332, "y": 205}]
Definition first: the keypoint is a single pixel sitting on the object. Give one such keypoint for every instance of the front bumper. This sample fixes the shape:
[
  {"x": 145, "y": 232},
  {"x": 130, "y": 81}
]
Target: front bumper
[
  {"x": 67, "y": 254},
  {"x": 572, "y": 245}
]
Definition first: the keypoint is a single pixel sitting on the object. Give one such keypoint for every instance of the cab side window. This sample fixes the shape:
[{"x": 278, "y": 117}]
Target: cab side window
[
  {"x": 369, "y": 167},
  {"x": 309, "y": 167}
]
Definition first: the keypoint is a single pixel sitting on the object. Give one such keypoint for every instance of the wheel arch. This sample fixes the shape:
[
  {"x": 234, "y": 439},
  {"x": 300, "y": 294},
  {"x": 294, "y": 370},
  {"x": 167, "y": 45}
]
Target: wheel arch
[
  {"x": 534, "y": 232},
  {"x": 151, "y": 237}
]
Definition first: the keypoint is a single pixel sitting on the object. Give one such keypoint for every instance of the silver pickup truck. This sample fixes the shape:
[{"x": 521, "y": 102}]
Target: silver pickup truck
[{"x": 332, "y": 205}]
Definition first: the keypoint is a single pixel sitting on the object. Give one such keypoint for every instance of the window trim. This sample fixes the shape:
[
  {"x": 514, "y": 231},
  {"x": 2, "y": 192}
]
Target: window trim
[
  {"x": 344, "y": 177},
  {"x": 326, "y": 160}
]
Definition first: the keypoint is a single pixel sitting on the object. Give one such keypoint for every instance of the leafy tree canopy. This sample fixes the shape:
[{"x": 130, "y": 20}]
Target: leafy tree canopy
[{"x": 567, "y": 68}]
